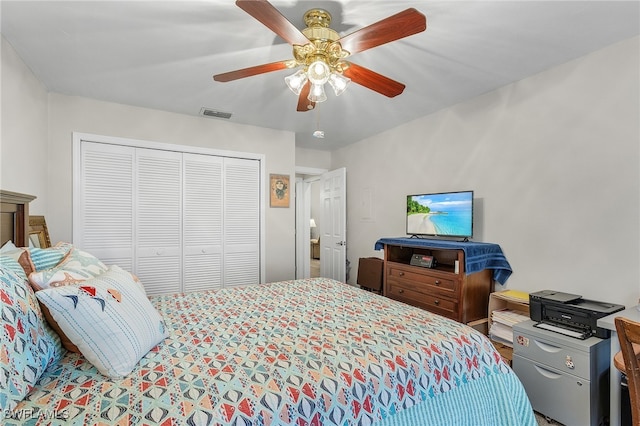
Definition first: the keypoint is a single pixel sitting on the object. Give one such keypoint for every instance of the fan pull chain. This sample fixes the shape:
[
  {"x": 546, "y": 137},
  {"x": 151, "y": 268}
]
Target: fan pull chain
[{"x": 318, "y": 133}]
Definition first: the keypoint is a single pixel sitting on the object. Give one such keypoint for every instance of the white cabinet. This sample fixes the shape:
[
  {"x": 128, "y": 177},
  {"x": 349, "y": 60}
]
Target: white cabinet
[{"x": 180, "y": 221}]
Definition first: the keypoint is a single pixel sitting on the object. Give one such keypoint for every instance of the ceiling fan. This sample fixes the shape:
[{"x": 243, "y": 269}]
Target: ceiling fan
[{"x": 319, "y": 52}]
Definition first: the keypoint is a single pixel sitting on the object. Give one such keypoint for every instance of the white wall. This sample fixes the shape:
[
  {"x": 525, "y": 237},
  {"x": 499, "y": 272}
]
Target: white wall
[
  {"x": 554, "y": 162},
  {"x": 23, "y": 135},
  {"x": 36, "y": 150},
  {"x": 313, "y": 158}
]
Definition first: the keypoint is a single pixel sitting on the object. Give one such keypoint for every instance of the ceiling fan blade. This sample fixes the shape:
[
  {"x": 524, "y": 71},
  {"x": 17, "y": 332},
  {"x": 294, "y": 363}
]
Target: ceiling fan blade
[
  {"x": 264, "y": 12},
  {"x": 304, "y": 104},
  {"x": 248, "y": 72},
  {"x": 374, "y": 81},
  {"x": 395, "y": 27}
]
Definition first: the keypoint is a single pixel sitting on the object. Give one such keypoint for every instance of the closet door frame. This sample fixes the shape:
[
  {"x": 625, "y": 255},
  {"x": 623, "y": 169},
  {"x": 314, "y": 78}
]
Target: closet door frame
[{"x": 78, "y": 137}]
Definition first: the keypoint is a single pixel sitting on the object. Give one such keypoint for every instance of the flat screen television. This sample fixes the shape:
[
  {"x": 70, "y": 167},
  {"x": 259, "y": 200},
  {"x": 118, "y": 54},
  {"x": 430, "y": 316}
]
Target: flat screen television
[{"x": 442, "y": 214}]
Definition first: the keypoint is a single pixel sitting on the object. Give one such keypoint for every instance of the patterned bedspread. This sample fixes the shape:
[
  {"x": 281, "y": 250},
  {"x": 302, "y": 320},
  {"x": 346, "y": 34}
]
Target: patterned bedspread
[{"x": 306, "y": 352}]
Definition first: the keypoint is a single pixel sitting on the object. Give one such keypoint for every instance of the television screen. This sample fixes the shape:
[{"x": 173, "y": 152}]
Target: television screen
[{"x": 445, "y": 214}]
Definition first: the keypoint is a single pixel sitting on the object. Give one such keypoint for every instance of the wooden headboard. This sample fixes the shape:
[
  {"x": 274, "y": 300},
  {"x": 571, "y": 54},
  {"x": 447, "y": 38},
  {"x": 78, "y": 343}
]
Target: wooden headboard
[{"x": 14, "y": 217}]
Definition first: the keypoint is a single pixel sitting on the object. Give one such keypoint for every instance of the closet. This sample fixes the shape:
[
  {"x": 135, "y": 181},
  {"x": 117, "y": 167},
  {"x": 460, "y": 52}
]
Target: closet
[{"x": 180, "y": 221}]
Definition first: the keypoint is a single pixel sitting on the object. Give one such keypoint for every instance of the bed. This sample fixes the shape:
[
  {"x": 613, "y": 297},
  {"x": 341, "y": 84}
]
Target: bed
[{"x": 303, "y": 352}]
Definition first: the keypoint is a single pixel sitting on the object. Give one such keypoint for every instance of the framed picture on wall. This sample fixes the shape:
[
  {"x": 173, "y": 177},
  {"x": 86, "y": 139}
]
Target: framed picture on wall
[{"x": 279, "y": 190}]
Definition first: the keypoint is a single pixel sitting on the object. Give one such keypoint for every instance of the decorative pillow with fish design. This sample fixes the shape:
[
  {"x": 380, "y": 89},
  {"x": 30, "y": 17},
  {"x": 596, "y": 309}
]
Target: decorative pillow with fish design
[{"x": 77, "y": 266}]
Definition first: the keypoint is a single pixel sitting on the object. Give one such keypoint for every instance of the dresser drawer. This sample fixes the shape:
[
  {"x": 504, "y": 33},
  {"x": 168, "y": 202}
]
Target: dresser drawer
[
  {"x": 426, "y": 281},
  {"x": 559, "y": 395},
  {"x": 410, "y": 293},
  {"x": 553, "y": 354}
]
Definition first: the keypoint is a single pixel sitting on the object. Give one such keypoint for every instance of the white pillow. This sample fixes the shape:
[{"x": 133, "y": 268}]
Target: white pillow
[
  {"x": 108, "y": 318},
  {"x": 8, "y": 246}
]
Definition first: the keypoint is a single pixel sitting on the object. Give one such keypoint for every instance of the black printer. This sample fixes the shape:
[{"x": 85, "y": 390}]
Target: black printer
[{"x": 570, "y": 314}]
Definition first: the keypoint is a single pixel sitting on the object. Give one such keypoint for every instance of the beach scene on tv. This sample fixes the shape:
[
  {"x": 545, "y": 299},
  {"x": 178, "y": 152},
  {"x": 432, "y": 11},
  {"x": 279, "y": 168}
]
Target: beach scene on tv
[{"x": 447, "y": 214}]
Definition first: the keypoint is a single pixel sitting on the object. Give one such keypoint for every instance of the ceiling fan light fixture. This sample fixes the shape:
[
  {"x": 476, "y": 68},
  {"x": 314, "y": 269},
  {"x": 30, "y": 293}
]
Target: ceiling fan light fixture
[
  {"x": 339, "y": 83},
  {"x": 320, "y": 52},
  {"x": 317, "y": 94},
  {"x": 296, "y": 81}
]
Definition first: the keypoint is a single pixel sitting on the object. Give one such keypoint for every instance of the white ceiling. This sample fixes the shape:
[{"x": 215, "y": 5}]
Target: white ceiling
[{"x": 163, "y": 54}]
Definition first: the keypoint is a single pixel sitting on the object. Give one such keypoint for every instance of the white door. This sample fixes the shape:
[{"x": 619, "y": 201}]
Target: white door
[
  {"x": 103, "y": 203},
  {"x": 333, "y": 242},
  {"x": 241, "y": 249},
  {"x": 158, "y": 220},
  {"x": 202, "y": 222},
  {"x": 179, "y": 221}
]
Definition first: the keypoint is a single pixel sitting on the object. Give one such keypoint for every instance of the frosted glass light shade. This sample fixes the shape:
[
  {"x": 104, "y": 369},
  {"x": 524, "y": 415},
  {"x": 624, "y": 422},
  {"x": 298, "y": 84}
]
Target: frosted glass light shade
[
  {"x": 296, "y": 81},
  {"x": 318, "y": 72},
  {"x": 317, "y": 94},
  {"x": 339, "y": 83}
]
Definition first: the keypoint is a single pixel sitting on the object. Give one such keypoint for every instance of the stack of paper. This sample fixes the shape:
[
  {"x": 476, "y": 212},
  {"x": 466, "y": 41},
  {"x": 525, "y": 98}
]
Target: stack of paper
[{"x": 502, "y": 322}]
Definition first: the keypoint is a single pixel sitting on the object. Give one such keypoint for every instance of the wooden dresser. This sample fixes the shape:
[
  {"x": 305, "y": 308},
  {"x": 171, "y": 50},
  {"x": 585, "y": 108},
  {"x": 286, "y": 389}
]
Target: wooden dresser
[{"x": 445, "y": 289}]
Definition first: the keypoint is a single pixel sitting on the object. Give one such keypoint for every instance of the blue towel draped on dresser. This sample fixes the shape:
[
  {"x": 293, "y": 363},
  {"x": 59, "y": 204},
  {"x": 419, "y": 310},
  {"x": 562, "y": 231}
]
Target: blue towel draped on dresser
[{"x": 478, "y": 256}]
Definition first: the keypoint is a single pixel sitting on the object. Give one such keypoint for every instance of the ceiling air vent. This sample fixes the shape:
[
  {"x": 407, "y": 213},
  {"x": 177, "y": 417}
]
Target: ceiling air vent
[{"x": 210, "y": 112}]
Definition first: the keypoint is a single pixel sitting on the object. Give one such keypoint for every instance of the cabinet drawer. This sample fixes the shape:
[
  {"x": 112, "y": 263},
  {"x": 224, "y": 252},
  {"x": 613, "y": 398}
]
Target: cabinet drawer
[
  {"x": 425, "y": 281},
  {"x": 561, "y": 396},
  {"x": 545, "y": 351},
  {"x": 409, "y": 293}
]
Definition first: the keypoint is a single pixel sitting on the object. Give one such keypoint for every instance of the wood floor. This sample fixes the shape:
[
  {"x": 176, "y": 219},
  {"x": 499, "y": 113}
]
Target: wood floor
[
  {"x": 315, "y": 268},
  {"x": 542, "y": 420}
]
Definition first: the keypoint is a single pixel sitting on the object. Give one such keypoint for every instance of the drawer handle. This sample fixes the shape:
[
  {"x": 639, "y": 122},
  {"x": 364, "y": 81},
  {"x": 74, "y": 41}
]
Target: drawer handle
[
  {"x": 401, "y": 291},
  {"x": 547, "y": 347},
  {"x": 401, "y": 273},
  {"x": 546, "y": 373},
  {"x": 437, "y": 282},
  {"x": 437, "y": 302}
]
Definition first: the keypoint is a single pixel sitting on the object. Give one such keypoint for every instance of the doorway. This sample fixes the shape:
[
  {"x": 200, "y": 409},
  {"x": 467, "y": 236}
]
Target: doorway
[
  {"x": 307, "y": 203},
  {"x": 328, "y": 248},
  {"x": 315, "y": 224}
]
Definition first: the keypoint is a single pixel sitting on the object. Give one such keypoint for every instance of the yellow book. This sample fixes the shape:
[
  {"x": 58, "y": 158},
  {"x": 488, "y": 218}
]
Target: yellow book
[{"x": 520, "y": 296}]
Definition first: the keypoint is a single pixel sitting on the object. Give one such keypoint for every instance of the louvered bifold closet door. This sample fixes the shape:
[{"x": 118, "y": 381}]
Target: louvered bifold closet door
[
  {"x": 105, "y": 203},
  {"x": 159, "y": 220},
  {"x": 202, "y": 222},
  {"x": 241, "y": 222}
]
